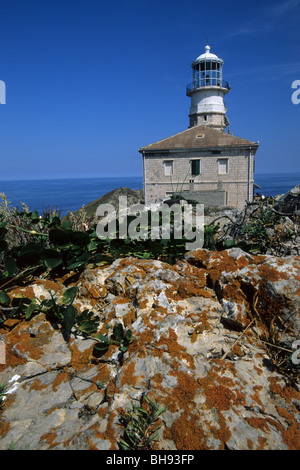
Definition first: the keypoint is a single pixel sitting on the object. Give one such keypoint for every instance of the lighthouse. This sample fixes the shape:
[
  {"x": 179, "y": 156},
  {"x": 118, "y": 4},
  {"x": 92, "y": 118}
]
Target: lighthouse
[
  {"x": 207, "y": 91},
  {"x": 208, "y": 164}
]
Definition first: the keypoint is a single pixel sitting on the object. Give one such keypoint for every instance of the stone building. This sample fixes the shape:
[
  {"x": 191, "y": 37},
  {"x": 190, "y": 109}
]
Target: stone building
[{"x": 205, "y": 162}]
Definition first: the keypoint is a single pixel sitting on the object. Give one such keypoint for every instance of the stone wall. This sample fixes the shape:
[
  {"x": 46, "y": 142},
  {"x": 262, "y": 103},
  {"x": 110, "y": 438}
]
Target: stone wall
[
  {"x": 208, "y": 198},
  {"x": 234, "y": 183},
  {"x": 215, "y": 120}
]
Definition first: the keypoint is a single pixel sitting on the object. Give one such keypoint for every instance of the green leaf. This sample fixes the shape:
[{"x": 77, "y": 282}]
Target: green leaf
[
  {"x": 55, "y": 306},
  {"x": 124, "y": 446},
  {"x": 128, "y": 335},
  {"x": 54, "y": 221},
  {"x": 29, "y": 258},
  {"x": 35, "y": 216},
  {"x": 3, "y": 232},
  {"x": 101, "y": 347},
  {"x": 48, "y": 303},
  {"x": 59, "y": 237},
  {"x": 69, "y": 318},
  {"x": 67, "y": 224},
  {"x": 69, "y": 295},
  {"x": 75, "y": 264},
  {"x": 229, "y": 243},
  {"x": 19, "y": 304},
  {"x": 30, "y": 309},
  {"x": 52, "y": 258},
  {"x": 88, "y": 327},
  {"x": 93, "y": 245},
  {"x": 118, "y": 332},
  {"x": 4, "y": 298},
  {"x": 87, "y": 323},
  {"x": 79, "y": 238},
  {"x": 10, "y": 265},
  {"x": 3, "y": 245},
  {"x": 103, "y": 338},
  {"x": 31, "y": 246}
]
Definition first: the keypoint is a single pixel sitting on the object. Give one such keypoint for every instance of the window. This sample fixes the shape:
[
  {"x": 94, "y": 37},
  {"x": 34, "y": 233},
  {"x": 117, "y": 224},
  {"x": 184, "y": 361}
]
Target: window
[
  {"x": 223, "y": 166},
  {"x": 195, "y": 167},
  {"x": 168, "y": 164}
]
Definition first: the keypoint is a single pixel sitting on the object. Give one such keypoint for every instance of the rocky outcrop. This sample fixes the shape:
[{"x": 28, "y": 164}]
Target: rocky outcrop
[
  {"x": 133, "y": 197},
  {"x": 202, "y": 330},
  {"x": 289, "y": 203}
]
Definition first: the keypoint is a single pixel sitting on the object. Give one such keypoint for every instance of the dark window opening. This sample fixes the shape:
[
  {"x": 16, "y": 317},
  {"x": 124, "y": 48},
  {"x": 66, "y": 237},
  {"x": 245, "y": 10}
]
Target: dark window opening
[{"x": 195, "y": 167}]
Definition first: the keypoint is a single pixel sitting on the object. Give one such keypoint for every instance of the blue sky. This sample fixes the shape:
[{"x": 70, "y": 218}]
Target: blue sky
[{"x": 89, "y": 82}]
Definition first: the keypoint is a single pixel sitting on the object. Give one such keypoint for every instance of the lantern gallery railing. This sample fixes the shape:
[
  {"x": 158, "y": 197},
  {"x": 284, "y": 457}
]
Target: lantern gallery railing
[{"x": 206, "y": 81}]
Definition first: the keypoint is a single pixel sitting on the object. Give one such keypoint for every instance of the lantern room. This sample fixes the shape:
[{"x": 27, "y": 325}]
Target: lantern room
[{"x": 207, "y": 91}]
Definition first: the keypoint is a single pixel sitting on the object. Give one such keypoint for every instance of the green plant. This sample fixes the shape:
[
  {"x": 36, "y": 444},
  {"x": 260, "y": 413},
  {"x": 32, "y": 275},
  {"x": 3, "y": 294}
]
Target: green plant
[
  {"x": 210, "y": 232},
  {"x": 255, "y": 229},
  {"x": 58, "y": 310},
  {"x": 32, "y": 244},
  {"x": 119, "y": 337},
  {"x": 141, "y": 426}
]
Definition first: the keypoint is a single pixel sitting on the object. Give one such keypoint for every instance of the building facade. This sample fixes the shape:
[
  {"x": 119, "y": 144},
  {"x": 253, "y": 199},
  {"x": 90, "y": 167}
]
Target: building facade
[{"x": 204, "y": 162}]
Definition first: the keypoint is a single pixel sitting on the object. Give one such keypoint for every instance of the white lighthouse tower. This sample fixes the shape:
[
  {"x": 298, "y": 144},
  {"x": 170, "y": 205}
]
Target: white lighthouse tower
[{"x": 207, "y": 92}]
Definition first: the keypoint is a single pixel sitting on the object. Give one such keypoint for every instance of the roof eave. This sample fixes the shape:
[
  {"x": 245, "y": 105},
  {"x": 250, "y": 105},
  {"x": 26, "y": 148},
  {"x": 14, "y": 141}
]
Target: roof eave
[{"x": 146, "y": 149}]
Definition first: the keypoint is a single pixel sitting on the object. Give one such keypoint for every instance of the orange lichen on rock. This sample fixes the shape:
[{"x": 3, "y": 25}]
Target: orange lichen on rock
[
  {"x": 170, "y": 344},
  {"x": 190, "y": 287},
  {"x": 198, "y": 258},
  {"x": 233, "y": 292},
  {"x": 183, "y": 394},
  {"x": 26, "y": 291},
  {"x": 21, "y": 346},
  {"x": 127, "y": 375},
  {"x": 80, "y": 359},
  {"x": 255, "y": 395},
  {"x": 221, "y": 432},
  {"x": 143, "y": 341},
  {"x": 187, "y": 433},
  {"x": 50, "y": 439},
  {"x": 36, "y": 385},
  {"x": 109, "y": 433},
  {"x": 269, "y": 274},
  {"x": 4, "y": 427},
  {"x": 261, "y": 443},
  {"x": 285, "y": 391},
  {"x": 258, "y": 423},
  {"x": 202, "y": 325},
  {"x": 49, "y": 285},
  {"x": 129, "y": 317},
  {"x": 220, "y": 395},
  {"x": 59, "y": 379},
  {"x": 291, "y": 436},
  {"x": 219, "y": 390},
  {"x": 218, "y": 262}
]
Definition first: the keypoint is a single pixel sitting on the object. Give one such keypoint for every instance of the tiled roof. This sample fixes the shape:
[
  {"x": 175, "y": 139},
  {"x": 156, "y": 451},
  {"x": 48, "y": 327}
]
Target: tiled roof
[{"x": 199, "y": 137}]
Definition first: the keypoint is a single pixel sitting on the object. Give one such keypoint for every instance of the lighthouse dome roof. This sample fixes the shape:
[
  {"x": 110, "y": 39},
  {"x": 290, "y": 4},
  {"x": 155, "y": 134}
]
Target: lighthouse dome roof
[{"x": 207, "y": 56}]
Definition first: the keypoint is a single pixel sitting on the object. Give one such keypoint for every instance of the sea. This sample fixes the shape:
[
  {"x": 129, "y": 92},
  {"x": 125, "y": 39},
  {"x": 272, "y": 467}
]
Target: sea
[{"x": 71, "y": 194}]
